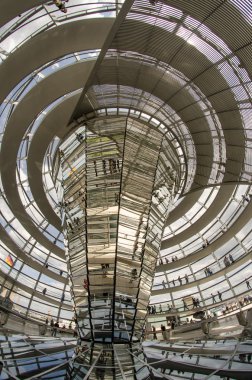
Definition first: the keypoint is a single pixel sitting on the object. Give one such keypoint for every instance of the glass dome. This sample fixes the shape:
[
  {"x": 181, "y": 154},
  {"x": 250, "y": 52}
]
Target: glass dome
[{"x": 178, "y": 67}]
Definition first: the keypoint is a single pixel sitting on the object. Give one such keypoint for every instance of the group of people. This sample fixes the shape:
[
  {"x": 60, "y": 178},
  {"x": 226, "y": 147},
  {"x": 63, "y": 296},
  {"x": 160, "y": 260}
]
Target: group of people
[
  {"x": 61, "y": 5},
  {"x": 174, "y": 258},
  {"x": 152, "y": 309},
  {"x": 72, "y": 227},
  {"x": 109, "y": 166},
  {"x": 246, "y": 298},
  {"x": 243, "y": 358},
  {"x": 228, "y": 260},
  {"x": 165, "y": 260},
  {"x": 218, "y": 294},
  {"x": 180, "y": 280},
  {"x": 243, "y": 301},
  {"x": 205, "y": 244},
  {"x": 76, "y": 221},
  {"x": 208, "y": 272},
  {"x": 166, "y": 332},
  {"x": 195, "y": 303},
  {"x": 56, "y": 327}
]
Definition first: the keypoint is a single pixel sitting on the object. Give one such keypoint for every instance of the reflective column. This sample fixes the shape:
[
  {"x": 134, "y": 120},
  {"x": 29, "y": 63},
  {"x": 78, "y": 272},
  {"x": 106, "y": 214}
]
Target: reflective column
[{"x": 119, "y": 177}]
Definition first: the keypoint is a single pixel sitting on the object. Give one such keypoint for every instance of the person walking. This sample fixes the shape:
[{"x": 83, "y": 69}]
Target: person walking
[
  {"x": 185, "y": 305},
  {"x": 54, "y": 329},
  {"x": 173, "y": 324},
  {"x": 154, "y": 332},
  {"x": 248, "y": 284},
  {"x": 163, "y": 331},
  {"x": 231, "y": 258},
  {"x": 220, "y": 295}
]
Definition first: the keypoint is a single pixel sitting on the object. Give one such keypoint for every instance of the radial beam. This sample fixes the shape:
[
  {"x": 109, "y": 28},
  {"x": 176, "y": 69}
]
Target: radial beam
[{"x": 110, "y": 37}]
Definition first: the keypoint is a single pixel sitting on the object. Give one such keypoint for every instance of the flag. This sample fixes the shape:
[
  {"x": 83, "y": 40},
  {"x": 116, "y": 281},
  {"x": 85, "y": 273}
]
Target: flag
[{"x": 9, "y": 261}]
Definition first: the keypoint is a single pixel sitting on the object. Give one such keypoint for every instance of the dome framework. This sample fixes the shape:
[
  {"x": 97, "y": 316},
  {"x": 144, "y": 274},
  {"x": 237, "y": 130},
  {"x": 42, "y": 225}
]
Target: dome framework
[{"x": 173, "y": 65}]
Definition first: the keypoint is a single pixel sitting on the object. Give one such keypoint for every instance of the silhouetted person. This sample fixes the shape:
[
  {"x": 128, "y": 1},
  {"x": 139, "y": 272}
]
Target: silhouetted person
[
  {"x": 248, "y": 284},
  {"x": 163, "y": 331},
  {"x": 154, "y": 332},
  {"x": 185, "y": 305},
  {"x": 231, "y": 258}
]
